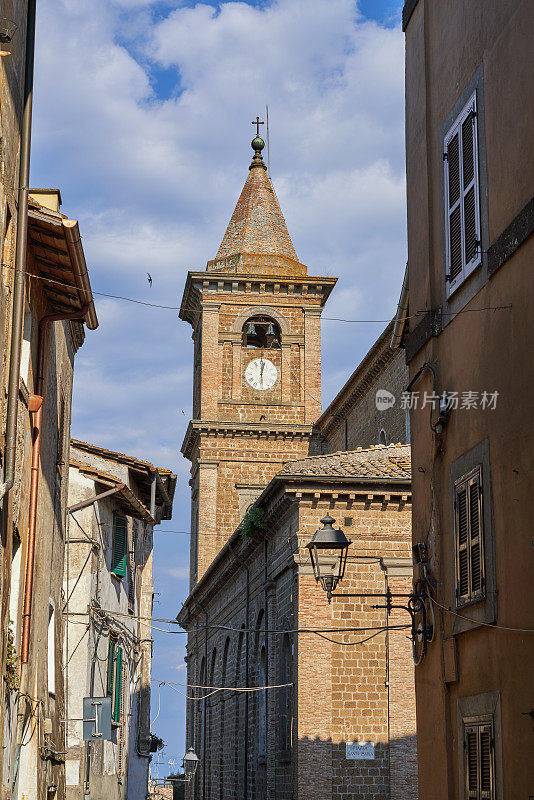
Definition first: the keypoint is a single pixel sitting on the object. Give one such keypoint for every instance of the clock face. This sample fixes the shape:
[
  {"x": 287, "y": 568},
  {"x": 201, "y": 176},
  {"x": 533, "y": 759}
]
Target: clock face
[{"x": 261, "y": 374}]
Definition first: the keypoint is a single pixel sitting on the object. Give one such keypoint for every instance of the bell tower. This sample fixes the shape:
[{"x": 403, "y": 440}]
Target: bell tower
[{"x": 256, "y": 317}]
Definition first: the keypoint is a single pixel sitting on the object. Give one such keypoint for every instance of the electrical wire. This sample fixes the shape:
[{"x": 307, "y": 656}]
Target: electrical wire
[
  {"x": 222, "y": 688},
  {"x": 417, "y": 314},
  {"x": 479, "y": 622},
  {"x": 219, "y": 689},
  {"x": 102, "y": 613}
]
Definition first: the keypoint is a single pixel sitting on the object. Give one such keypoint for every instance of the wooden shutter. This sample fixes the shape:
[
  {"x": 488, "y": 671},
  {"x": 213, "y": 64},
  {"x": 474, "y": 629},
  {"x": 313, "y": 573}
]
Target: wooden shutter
[
  {"x": 120, "y": 545},
  {"x": 111, "y": 667},
  {"x": 479, "y": 761},
  {"x": 117, "y": 685},
  {"x": 462, "y": 196},
  {"x": 469, "y": 538}
]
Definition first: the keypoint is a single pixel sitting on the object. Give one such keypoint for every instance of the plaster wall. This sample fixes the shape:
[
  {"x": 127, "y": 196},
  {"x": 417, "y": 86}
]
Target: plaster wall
[{"x": 479, "y": 351}]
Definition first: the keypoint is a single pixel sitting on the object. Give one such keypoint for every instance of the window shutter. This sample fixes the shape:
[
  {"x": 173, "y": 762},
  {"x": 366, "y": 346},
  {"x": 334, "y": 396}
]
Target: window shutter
[
  {"x": 479, "y": 761},
  {"x": 111, "y": 667},
  {"x": 120, "y": 545},
  {"x": 117, "y": 687},
  {"x": 470, "y": 584},
  {"x": 462, "y": 196}
]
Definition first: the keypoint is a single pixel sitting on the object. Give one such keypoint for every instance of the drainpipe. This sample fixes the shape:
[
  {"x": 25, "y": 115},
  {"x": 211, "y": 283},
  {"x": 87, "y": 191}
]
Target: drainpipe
[
  {"x": 34, "y": 485},
  {"x": 20, "y": 259}
]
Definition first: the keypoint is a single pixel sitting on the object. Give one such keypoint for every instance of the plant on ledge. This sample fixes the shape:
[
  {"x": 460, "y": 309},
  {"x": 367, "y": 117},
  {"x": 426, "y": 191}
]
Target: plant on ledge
[{"x": 253, "y": 524}]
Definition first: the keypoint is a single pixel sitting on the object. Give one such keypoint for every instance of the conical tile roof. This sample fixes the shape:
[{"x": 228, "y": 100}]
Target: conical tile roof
[{"x": 257, "y": 240}]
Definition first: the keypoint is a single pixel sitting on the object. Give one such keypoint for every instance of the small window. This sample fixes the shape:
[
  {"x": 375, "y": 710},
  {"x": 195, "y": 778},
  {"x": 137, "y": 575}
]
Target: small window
[
  {"x": 479, "y": 760},
  {"x": 25, "y": 353},
  {"x": 469, "y": 538},
  {"x": 61, "y": 436},
  {"x": 51, "y": 648},
  {"x": 285, "y": 717},
  {"x": 382, "y": 438},
  {"x": 262, "y": 333},
  {"x": 462, "y": 197},
  {"x": 120, "y": 545},
  {"x": 114, "y": 679}
]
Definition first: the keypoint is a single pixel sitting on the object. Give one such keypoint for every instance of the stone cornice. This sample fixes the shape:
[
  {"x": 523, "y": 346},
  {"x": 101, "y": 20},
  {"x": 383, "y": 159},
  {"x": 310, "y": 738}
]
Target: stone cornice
[
  {"x": 260, "y": 430},
  {"x": 204, "y": 286},
  {"x": 357, "y": 385}
]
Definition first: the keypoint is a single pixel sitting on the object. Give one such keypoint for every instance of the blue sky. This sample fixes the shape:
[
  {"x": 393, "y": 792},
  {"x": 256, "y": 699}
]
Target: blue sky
[{"x": 142, "y": 119}]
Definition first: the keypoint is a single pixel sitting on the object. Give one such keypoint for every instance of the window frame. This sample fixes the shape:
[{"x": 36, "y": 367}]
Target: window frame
[
  {"x": 114, "y": 679},
  {"x": 473, "y": 709},
  {"x": 471, "y": 725},
  {"x": 465, "y": 483},
  {"x": 119, "y": 565},
  {"x": 470, "y": 108}
]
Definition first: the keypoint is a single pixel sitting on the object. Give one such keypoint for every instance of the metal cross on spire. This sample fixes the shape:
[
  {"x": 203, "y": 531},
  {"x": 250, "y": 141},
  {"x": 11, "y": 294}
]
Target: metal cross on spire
[{"x": 257, "y": 123}]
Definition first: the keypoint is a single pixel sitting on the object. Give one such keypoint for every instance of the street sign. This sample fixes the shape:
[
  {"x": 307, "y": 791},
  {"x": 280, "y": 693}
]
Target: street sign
[{"x": 96, "y": 718}]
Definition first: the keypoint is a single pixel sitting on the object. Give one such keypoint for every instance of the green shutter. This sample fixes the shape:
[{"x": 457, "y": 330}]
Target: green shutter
[
  {"x": 120, "y": 545},
  {"x": 111, "y": 667},
  {"x": 117, "y": 689}
]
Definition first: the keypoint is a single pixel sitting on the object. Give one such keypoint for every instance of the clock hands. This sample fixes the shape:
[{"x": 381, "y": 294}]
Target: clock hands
[{"x": 262, "y": 367}]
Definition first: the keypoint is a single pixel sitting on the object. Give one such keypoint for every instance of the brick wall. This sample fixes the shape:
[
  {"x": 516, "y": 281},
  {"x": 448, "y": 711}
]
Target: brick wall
[{"x": 341, "y": 693}]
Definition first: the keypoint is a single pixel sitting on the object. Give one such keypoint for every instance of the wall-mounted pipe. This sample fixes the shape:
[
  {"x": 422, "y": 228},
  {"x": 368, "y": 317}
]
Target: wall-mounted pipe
[
  {"x": 34, "y": 484},
  {"x": 20, "y": 259}
]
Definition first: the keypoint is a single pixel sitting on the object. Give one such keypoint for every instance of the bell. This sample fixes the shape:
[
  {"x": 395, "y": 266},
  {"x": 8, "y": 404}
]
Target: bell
[
  {"x": 270, "y": 329},
  {"x": 251, "y": 329}
]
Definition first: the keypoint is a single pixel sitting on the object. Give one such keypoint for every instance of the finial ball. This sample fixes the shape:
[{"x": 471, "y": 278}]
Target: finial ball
[{"x": 257, "y": 144}]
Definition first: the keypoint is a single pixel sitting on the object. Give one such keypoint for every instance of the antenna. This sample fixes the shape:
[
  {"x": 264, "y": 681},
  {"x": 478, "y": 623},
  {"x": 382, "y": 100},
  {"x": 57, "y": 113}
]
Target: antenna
[{"x": 268, "y": 148}]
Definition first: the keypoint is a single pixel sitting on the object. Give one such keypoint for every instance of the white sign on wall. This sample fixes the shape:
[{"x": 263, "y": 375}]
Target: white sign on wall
[{"x": 359, "y": 751}]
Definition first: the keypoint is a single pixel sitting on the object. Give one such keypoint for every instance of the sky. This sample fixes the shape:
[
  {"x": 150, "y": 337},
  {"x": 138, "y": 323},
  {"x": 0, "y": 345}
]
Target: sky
[{"x": 142, "y": 120}]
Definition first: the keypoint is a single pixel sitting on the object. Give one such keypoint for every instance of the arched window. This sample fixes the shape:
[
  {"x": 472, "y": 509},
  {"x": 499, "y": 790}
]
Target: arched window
[
  {"x": 382, "y": 439},
  {"x": 210, "y": 744},
  {"x": 200, "y": 724},
  {"x": 262, "y": 333},
  {"x": 285, "y": 723},
  {"x": 262, "y": 704},
  {"x": 239, "y": 744},
  {"x": 223, "y": 696}
]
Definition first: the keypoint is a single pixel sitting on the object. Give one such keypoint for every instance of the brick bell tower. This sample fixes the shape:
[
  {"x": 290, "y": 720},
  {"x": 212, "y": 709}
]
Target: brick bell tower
[{"x": 255, "y": 314}]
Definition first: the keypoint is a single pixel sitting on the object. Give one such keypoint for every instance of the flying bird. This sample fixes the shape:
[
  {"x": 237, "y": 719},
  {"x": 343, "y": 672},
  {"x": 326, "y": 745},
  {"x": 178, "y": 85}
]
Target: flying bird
[{"x": 149, "y": 279}]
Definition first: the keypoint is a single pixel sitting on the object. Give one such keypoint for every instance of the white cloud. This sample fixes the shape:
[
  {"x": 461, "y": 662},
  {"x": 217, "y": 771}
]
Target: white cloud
[
  {"x": 152, "y": 169},
  {"x": 178, "y": 573}
]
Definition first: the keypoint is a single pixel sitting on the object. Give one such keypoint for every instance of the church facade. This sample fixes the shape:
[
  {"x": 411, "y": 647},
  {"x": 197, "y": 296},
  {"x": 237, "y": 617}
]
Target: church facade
[{"x": 339, "y": 719}]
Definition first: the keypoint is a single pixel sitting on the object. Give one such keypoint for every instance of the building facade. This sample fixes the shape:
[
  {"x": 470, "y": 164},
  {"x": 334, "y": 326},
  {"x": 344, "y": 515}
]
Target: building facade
[
  {"x": 341, "y": 720},
  {"x": 470, "y": 181},
  {"x": 355, "y": 417},
  {"x": 56, "y": 311},
  {"x": 114, "y": 502}
]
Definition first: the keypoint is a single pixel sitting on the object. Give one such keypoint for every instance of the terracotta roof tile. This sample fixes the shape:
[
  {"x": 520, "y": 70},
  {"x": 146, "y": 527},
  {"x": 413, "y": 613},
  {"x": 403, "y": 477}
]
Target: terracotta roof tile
[{"x": 392, "y": 462}]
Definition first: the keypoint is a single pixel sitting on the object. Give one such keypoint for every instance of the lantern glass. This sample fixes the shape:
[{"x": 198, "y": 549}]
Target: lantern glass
[
  {"x": 190, "y": 763},
  {"x": 328, "y": 554}
]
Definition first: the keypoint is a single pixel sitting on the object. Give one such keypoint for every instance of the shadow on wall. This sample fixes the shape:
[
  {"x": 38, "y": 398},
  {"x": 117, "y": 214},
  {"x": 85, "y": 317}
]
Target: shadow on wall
[
  {"x": 355, "y": 768},
  {"x": 350, "y": 770}
]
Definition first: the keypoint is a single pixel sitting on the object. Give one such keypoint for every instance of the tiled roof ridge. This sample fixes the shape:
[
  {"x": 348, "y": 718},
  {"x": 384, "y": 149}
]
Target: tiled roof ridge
[
  {"x": 380, "y": 459},
  {"x": 81, "y": 445}
]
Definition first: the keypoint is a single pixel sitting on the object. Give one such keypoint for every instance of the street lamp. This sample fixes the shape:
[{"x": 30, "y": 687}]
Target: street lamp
[
  {"x": 333, "y": 545},
  {"x": 190, "y": 764}
]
